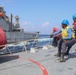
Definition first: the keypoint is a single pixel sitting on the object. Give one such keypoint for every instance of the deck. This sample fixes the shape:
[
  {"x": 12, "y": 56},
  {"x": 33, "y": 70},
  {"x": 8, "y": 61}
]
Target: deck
[{"x": 43, "y": 62}]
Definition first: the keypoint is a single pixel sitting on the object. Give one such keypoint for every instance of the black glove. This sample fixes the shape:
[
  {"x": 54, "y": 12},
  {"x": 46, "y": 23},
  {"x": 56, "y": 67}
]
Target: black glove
[{"x": 51, "y": 35}]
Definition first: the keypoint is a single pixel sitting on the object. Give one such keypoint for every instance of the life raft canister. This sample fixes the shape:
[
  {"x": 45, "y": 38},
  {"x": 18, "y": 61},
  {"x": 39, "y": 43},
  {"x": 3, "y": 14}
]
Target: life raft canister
[
  {"x": 1, "y": 14},
  {"x": 3, "y": 39}
]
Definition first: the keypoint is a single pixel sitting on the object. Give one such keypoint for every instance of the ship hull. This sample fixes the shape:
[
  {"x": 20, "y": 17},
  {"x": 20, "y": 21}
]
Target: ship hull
[{"x": 20, "y": 36}]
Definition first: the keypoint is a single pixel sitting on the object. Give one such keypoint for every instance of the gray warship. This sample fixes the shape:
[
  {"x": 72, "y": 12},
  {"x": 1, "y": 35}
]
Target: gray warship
[{"x": 13, "y": 31}]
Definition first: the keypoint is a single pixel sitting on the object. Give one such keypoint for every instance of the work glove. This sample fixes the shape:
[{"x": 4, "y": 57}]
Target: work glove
[{"x": 51, "y": 35}]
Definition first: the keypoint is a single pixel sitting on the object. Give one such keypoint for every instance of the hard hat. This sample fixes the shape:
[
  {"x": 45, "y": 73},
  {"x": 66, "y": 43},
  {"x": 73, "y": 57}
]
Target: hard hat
[
  {"x": 65, "y": 22},
  {"x": 74, "y": 16}
]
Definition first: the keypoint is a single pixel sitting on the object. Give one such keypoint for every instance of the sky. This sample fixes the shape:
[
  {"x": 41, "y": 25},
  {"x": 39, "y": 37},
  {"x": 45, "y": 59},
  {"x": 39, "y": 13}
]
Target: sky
[{"x": 40, "y": 15}]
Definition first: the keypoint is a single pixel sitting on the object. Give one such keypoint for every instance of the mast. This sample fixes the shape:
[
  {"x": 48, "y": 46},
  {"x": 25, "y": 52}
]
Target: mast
[{"x": 10, "y": 20}]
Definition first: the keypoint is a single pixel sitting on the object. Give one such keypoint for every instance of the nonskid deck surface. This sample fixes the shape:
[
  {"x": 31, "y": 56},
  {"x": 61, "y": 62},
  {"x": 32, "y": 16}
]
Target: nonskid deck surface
[{"x": 42, "y": 62}]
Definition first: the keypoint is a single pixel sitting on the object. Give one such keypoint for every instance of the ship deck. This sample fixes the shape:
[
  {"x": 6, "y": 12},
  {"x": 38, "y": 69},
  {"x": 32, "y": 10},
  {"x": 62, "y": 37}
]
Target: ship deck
[{"x": 43, "y": 62}]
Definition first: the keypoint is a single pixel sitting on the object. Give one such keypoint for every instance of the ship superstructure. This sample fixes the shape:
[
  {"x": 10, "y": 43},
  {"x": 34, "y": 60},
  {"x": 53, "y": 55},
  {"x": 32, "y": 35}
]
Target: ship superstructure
[{"x": 13, "y": 31}]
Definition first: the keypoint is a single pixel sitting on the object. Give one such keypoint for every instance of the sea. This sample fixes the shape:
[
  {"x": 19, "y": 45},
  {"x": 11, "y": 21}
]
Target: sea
[{"x": 18, "y": 47}]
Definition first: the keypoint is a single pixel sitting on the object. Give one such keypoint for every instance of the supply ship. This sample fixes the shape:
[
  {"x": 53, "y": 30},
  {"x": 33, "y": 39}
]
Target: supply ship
[{"x": 12, "y": 30}]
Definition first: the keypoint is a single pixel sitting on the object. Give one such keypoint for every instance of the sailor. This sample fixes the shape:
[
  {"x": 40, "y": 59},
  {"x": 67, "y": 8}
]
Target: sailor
[
  {"x": 67, "y": 39},
  {"x": 56, "y": 38},
  {"x": 74, "y": 24}
]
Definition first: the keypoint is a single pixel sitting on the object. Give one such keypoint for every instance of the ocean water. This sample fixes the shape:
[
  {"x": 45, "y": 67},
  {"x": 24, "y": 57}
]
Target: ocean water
[
  {"x": 43, "y": 36},
  {"x": 42, "y": 40}
]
